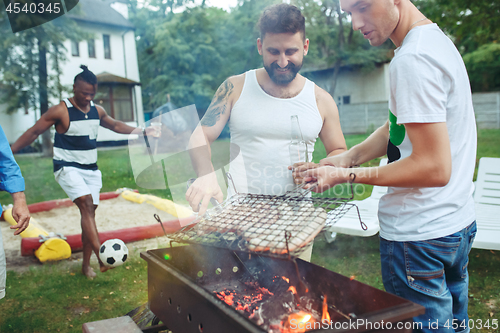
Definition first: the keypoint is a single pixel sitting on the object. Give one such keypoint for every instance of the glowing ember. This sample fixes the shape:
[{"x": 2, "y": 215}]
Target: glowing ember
[
  {"x": 325, "y": 316},
  {"x": 226, "y": 298},
  {"x": 297, "y": 322},
  {"x": 244, "y": 303},
  {"x": 294, "y": 318}
]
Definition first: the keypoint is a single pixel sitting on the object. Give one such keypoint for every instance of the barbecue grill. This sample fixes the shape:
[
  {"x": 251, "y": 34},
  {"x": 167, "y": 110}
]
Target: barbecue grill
[
  {"x": 240, "y": 273},
  {"x": 198, "y": 288}
]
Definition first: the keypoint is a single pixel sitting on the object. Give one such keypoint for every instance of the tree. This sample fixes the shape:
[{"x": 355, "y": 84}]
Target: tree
[
  {"x": 147, "y": 19},
  {"x": 474, "y": 27},
  {"x": 187, "y": 61},
  {"x": 470, "y": 23},
  {"x": 23, "y": 65},
  {"x": 483, "y": 66},
  {"x": 179, "y": 58},
  {"x": 188, "y": 55},
  {"x": 238, "y": 36}
]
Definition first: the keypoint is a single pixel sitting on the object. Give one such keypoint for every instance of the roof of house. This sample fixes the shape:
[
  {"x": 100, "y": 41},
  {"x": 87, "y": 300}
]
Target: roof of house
[
  {"x": 97, "y": 11},
  {"x": 109, "y": 78},
  {"x": 325, "y": 68}
]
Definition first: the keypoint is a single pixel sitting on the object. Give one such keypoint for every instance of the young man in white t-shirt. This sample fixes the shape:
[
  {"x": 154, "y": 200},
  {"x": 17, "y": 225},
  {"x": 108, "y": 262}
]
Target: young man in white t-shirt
[{"x": 427, "y": 218}]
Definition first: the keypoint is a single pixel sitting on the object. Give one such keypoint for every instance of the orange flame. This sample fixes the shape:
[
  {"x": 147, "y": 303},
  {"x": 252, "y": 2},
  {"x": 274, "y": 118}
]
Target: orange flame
[
  {"x": 296, "y": 322},
  {"x": 286, "y": 279},
  {"x": 325, "y": 315},
  {"x": 292, "y": 289}
]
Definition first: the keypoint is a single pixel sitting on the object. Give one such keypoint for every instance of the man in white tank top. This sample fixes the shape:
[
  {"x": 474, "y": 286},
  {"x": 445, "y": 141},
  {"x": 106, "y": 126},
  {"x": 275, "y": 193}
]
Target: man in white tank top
[{"x": 258, "y": 105}]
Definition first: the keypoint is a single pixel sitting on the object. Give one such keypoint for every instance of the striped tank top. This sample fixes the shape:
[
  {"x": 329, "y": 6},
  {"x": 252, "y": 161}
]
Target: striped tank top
[{"x": 78, "y": 146}]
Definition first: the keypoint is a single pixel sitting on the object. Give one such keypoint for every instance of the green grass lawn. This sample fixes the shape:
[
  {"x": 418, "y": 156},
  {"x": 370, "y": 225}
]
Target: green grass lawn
[{"x": 57, "y": 298}]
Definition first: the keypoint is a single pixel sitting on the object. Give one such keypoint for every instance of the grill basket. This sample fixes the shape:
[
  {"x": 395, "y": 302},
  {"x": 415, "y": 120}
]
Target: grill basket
[{"x": 277, "y": 226}]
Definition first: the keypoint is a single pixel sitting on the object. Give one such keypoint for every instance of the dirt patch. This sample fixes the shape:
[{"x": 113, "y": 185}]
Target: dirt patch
[
  {"x": 112, "y": 214},
  {"x": 79, "y": 310}
]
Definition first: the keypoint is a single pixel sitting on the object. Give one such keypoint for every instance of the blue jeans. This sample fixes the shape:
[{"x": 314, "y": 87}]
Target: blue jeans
[{"x": 432, "y": 273}]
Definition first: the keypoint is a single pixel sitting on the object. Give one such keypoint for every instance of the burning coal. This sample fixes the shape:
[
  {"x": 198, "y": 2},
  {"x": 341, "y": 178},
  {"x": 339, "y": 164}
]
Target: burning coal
[
  {"x": 278, "y": 312},
  {"x": 245, "y": 303}
]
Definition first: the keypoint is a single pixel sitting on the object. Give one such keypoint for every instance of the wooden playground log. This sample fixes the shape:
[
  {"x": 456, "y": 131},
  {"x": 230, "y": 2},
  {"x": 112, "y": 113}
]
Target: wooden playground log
[
  {"x": 30, "y": 245},
  {"x": 60, "y": 203}
]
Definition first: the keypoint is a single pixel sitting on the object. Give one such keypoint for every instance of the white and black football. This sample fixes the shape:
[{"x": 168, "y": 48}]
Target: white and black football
[{"x": 113, "y": 252}]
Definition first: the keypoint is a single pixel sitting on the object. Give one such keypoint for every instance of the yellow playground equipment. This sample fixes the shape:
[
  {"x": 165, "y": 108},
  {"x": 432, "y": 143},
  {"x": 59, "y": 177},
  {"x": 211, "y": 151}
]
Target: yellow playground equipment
[
  {"x": 164, "y": 204},
  {"x": 53, "y": 248}
]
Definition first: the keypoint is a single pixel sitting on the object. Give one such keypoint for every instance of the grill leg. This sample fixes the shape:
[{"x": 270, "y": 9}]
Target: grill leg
[
  {"x": 156, "y": 329},
  {"x": 143, "y": 317}
]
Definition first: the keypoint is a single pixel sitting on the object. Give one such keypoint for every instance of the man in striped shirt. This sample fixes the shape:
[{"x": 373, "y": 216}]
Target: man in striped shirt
[{"x": 77, "y": 121}]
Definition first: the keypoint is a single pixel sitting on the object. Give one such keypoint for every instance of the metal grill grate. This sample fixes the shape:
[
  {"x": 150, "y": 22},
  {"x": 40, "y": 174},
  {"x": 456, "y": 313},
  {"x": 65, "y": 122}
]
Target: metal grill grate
[{"x": 278, "y": 226}]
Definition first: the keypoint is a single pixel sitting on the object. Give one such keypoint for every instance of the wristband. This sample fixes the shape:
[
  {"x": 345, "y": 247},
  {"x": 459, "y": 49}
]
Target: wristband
[{"x": 352, "y": 177}]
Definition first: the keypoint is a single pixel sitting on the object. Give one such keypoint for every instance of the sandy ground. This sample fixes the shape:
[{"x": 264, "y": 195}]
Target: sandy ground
[{"x": 111, "y": 214}]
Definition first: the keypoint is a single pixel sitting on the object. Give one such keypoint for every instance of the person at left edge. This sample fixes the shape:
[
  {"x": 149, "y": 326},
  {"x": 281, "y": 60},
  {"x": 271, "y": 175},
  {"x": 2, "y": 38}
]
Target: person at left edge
[
  {"x": 12, "y": 181},
  {"x": 77, "y": 120}
]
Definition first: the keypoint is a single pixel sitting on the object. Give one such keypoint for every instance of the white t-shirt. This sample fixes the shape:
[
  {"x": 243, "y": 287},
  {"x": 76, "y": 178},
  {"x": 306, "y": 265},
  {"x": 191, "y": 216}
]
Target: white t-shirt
[{"x": 429, "y": 84}]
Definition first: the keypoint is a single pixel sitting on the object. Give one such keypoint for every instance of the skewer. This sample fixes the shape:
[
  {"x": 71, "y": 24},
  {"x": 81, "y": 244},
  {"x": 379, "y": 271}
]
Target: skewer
[
  {"x": 157, "y": 218},
  {"x": 245, "y": 266},
  {"x": 340, "y": 312}
]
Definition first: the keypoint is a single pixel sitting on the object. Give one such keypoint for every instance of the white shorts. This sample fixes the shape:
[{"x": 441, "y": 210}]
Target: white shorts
[{"x": 78, "y": 182}]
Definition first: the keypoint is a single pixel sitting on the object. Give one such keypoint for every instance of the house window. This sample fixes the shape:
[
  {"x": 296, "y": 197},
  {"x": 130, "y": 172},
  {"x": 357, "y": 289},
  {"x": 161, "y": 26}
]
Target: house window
[
  {"x": 107, "y": 47},
  {"x": 116, "y": 100},
  {"x": 91, "y": 45},
  {"x": 346, "y": 99},
  {"x": 75, "y": 48}
]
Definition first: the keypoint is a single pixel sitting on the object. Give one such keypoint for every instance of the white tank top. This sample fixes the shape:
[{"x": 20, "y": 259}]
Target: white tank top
[{"x": 260, "y": 125}]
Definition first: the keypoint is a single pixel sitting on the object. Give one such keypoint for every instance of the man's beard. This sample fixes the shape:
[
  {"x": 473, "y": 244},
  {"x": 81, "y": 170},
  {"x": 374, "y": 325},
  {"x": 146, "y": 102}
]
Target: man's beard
[{"x": 282, "y": 78}]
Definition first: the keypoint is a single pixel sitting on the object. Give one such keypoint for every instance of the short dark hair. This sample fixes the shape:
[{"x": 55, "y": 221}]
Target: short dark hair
[
  {"x": 282, "y": 18},
  {"x": 86, "y": 76}
]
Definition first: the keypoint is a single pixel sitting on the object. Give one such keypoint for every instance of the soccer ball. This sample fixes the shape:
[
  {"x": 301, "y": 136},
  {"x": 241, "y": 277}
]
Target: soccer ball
[{"x": 113, "y": 252}]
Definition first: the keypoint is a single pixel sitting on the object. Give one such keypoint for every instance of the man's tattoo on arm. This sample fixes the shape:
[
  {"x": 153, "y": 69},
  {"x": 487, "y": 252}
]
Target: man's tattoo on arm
[{"x": 218, "y": 105}]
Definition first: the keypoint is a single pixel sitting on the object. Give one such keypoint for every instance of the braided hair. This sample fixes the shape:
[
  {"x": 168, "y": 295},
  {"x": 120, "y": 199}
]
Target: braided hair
[{"x": 86, "y": 76}]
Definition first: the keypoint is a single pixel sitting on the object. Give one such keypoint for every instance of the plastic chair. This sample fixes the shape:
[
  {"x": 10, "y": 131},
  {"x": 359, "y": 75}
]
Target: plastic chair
[{"x": 487, "y": 200}]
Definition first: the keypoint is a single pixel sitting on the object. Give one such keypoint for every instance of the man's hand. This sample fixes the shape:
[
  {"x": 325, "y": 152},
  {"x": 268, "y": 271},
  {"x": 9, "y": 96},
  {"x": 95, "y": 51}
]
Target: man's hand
[
  {"x": 154, "y": 130},
  {"x": 20, "y": 212},
  {"x": 339, "y": 161},
  {"x": 299, "y": 168},
  {"x": 326, "y": 177},
  {"x": 202, "y": 190}
]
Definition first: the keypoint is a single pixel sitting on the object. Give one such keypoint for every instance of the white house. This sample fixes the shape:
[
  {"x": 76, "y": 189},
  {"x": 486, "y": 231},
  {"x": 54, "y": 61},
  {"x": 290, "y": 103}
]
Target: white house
[
  {"x": 362, "y": 96},
  {"x": 111, "y": 54},
  {"x": 354, "y": 86}
]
